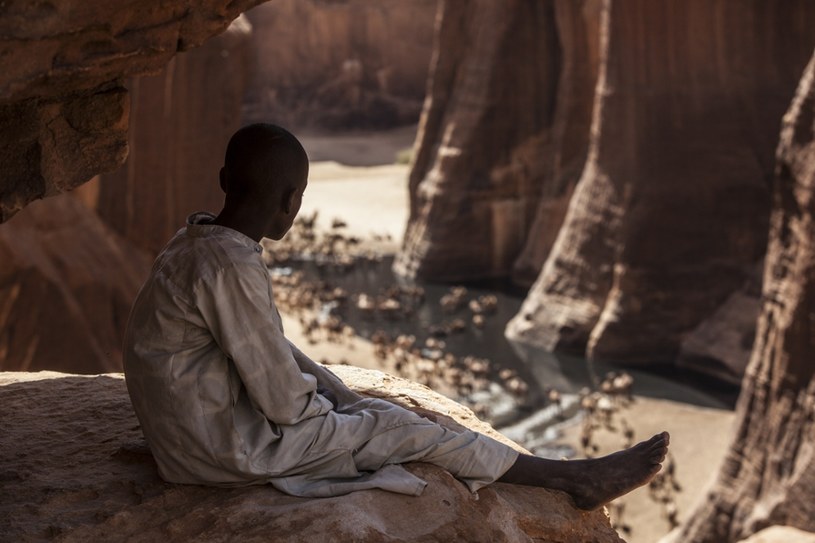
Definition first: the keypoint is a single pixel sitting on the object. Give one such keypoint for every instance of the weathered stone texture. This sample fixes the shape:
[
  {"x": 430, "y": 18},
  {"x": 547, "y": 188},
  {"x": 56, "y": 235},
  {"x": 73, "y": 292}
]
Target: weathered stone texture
[
  {"x": 85, "y": 474},
  {"x": 51, "y": 146},
  {"x": 181, "y": 122},
  {"x": 768, "y": 476},
  {"x": 63, "y": 112},
  {"x": 670, "y": 215},
  {"x": 475, "y": 179},
  {"x": 66, "y": 285},
  {"x": 350, "y": 64}
]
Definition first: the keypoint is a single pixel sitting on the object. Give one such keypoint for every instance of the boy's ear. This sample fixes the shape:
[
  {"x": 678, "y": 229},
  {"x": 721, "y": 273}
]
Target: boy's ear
[
  {"x": 222, "y": 177},
  {"x": 288, "y": 200}
]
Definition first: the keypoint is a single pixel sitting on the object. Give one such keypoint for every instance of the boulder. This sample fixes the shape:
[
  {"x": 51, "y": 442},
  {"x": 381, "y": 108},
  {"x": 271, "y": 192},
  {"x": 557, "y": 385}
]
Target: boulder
[
  {"x": 671, "y": 213},
  {"x": 75, "y": 467},
  {"x": 182, "y": 119},
  {"x": 768, "y": 476},
  {"x": 342, "y": 65},
  {"x": 66, "y": 285},
  {"x": 63, "y": 110}
]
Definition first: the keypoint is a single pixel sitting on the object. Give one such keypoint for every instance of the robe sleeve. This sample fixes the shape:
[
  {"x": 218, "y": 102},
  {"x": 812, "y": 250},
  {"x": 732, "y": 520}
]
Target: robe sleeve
[
  {"x": 325, "y": 377},
  {"x": 237, "y": 308}
]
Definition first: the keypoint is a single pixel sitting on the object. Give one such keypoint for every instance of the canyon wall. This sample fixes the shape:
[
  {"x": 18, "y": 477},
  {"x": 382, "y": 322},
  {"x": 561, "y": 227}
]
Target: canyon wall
[
  {"x": 670, "y": 215},
  {"x": 340, "y": 65},
  {"x": 768, "y": 476},
  {"x": 485, "y": 143}
]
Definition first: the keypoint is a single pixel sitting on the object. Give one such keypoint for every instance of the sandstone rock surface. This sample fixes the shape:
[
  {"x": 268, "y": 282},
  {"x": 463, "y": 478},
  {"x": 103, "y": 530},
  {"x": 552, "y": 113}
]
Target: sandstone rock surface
[
  {"x": 66, "y": 285},
  {"x": 75, "y": 468},
  {"x": 670, "y": 215},
  {"x": 768, "y": 476},
  {"x": 475, "y": 179},
  {"x": 63, "y": 110},
  {"x": 181, "y": 121},
  {"x": 351, "y": 64}
]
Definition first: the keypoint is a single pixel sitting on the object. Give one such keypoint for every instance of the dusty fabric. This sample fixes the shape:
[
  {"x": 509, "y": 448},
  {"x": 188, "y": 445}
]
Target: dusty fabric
[{"x": 223, "y": 399}]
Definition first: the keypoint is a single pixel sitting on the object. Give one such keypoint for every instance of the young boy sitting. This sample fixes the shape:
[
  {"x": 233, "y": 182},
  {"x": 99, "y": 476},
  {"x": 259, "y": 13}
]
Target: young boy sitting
[{"x": 224, "y": 399}]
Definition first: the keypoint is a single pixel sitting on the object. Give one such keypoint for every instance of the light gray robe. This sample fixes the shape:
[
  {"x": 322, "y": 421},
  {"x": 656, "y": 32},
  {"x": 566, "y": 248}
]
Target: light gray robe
[{"x": 224, "y": 399}]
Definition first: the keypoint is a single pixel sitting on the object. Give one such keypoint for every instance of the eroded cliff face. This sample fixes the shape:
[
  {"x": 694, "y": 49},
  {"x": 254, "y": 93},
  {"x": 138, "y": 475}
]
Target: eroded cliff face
[
  {"x": 670, "y": 215},
  {"x": 86, "y": 474},
  {"x": 339, "y": 65},
  {"x": 490, "y": 131},
  {"x": 63, "y": 108},
  {"x": 768, "y": 476}
]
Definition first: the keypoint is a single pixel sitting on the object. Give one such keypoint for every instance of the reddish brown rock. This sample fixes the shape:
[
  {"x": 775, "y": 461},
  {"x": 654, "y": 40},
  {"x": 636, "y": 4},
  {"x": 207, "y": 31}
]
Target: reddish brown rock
[
  {"x": 66, "y": 285},
  {"x": 351, "y": 64},
  {"x": 670, "y": 214},
  {"x": 768, "y": 476},
  {"x": 182, "y": 121},
  {"x": 85, "y": 474},
  {"x": 63, "y": 112},
  {"x": 475, "y": 179},
  {"x": 565, "y": 144},
  {"x": 50, "y": 146}
]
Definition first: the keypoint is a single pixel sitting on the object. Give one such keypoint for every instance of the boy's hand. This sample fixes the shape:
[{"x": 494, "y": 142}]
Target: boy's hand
[{"x": 328, "y": 395}]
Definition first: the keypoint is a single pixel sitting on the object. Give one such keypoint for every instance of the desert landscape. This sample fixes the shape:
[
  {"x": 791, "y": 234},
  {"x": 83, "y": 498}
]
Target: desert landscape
[
  {"x": 371, "y": 201},
  {"x": 577, "y": 223}
]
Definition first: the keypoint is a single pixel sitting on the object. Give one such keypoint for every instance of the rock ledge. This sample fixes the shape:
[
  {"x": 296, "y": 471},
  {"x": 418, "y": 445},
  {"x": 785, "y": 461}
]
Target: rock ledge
[{"x": 75, "y": 468}]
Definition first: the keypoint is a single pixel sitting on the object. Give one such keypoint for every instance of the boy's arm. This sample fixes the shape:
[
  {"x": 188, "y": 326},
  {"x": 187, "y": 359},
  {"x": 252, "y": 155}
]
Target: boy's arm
[
  {"x": 237, "y": 309},
  {"x": 325, "y": 378}
]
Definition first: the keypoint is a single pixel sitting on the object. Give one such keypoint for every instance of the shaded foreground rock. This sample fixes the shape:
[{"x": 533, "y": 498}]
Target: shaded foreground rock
[
  {"x": 75, "y": 467},
  {"x": 66, "y": 285},
  {"x": 670, "y": 215},
  {"x": 768, "y": 476},
  {"x": 63, "y": 110}
]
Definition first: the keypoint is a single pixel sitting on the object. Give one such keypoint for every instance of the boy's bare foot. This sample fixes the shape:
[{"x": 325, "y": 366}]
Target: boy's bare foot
[
  {"x": 612, "y": 476},
  {"x": 594, "y": 482}
]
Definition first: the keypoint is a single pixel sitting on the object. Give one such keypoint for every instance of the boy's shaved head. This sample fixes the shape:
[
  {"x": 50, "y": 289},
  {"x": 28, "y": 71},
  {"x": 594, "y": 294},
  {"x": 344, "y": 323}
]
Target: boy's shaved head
[
  {"x": 264, "y": 175},
  {"x": 263, "y": 158}
]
